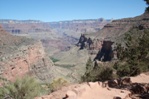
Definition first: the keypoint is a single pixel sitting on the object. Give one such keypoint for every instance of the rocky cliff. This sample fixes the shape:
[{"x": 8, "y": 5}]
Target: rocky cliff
[
  {"x": 20, "y": 56},
  {"x": 72, "y": 27},
  {"x": 118, "y": 28},
  {"x": 55, "y": 36},
  {"x": 26, "y": 26},
  {"x": 76, "y": 27}
]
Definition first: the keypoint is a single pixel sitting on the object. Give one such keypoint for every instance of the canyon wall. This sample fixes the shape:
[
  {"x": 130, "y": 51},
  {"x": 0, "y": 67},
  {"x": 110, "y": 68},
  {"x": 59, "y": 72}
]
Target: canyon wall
[
  {"x": 77, "y": 27},
  {"x": 118, "y": 28},
  {"x": 20, "y": 56}
]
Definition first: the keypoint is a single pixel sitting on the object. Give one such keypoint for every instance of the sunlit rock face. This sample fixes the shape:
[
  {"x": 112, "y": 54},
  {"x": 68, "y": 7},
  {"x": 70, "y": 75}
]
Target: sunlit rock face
[
  {"x": 20, "y": 56},
  {"x": 117, "y": 28}
]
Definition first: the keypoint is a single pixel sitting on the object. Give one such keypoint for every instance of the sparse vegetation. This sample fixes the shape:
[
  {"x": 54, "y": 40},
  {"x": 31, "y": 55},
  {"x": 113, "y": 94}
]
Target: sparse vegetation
[
  {"x": 25, "y": 88},
  {"x": 97, "y": 72},
  {"x": 134, "y": 57},
  {"x": 54, "y": 59},
  {"x": 57, "y": 84}
]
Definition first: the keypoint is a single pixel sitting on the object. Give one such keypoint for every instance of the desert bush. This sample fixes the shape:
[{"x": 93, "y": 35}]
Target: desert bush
[
  {"x": 106, "y": 74},
  {"x": 126, "y": 70},
  {"x": 89, "y": 65},
  {"x": 57, "y": 84},
  {"x": 97, "y": 72},
  {"x": 54, "y": 59},
  {"x": 3, "y": 80},
  {"x": 25, "y": 88}
]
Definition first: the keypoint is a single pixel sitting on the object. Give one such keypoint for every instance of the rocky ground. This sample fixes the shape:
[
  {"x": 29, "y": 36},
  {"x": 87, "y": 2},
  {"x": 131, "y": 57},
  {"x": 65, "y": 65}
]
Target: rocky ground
[{"x": 98, "y": 90}]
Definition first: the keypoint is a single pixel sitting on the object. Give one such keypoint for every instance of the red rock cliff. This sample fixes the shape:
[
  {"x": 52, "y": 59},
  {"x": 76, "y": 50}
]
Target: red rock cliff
[{"x": 20, "y": 56}]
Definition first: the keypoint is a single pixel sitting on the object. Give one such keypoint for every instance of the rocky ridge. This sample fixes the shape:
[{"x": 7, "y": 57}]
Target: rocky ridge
[
  {"x": 20, "y": 56},
  {"x": 117, "y": 28},
  {"x": 76, "y": 27}
]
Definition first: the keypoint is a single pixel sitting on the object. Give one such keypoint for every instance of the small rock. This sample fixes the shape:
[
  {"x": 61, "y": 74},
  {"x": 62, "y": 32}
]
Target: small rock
[{"x": 117, "y": 97}]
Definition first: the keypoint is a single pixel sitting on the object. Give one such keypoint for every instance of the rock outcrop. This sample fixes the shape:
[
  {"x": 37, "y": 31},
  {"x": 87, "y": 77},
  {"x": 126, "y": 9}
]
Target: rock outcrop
[
  {"x": 20, "y": 56},
  {"x": 118, "y": 28},
  {"x": 132, "y": 88},
  {"x": 87, "y": 91}
]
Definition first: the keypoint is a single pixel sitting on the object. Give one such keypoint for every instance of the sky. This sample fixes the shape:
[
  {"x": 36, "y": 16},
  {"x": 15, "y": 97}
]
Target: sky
[{"x": 61, "y": 10}]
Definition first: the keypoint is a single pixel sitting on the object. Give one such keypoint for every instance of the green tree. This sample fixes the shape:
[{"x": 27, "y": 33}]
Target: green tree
[
  {"x": 89, "y": 65},
  {"x": 134, "y": 57},
  {"x": 147, "y": 2}
]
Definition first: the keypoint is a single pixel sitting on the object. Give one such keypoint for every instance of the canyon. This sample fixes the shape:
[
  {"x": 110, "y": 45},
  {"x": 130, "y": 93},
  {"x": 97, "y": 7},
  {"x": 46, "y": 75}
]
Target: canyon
[
  {"x": 114, "y": 31},
  {"x": 28, "y": 45},
  {"x": 23, "y": 52},
  {"x": 20, "y": 56},
  {"x": 59, "y": 39},
  {"x": 58, "y": 35}
]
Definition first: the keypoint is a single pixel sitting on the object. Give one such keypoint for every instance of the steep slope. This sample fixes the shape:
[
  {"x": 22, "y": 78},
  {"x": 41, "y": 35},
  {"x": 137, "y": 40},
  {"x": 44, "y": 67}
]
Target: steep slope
[
  {"x": 20, "y": 56},
  {"x": 57, "y": 38},
  {"x": 71, "y": 64},
  {"x": 118, "y": 28},
  {"x": 37, "y": 30}
]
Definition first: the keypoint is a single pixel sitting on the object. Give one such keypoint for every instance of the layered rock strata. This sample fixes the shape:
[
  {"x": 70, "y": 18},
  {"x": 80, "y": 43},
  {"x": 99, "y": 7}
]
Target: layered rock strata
[{"x": 20, "y": 56}]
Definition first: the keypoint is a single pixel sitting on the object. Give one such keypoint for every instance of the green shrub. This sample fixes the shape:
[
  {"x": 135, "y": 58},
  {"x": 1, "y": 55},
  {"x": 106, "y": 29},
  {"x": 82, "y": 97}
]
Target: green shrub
[
  {"x": 25, "y": 88},
  {"x": 106, "y": 74},
  {"x": 57, "y": 84},
  {"x": 122, "y": 69},
  {"x": 89, "y": 65},
  {"x": 3, "y": 80},
  {"x": 97, "y": 72},
  {"x": 147, "y": 2},
  {"x": 54, "y": 59}
]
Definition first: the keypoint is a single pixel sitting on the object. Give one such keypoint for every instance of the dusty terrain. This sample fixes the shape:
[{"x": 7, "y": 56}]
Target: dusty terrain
[{"x": 95, "y": 90}]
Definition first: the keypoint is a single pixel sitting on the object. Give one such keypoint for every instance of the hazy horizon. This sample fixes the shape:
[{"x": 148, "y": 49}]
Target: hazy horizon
[{"x": 65, "y": 10}]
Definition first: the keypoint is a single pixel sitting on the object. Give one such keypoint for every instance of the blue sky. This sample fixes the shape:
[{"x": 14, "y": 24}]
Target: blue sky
[{"x": 59, "y": 10}]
